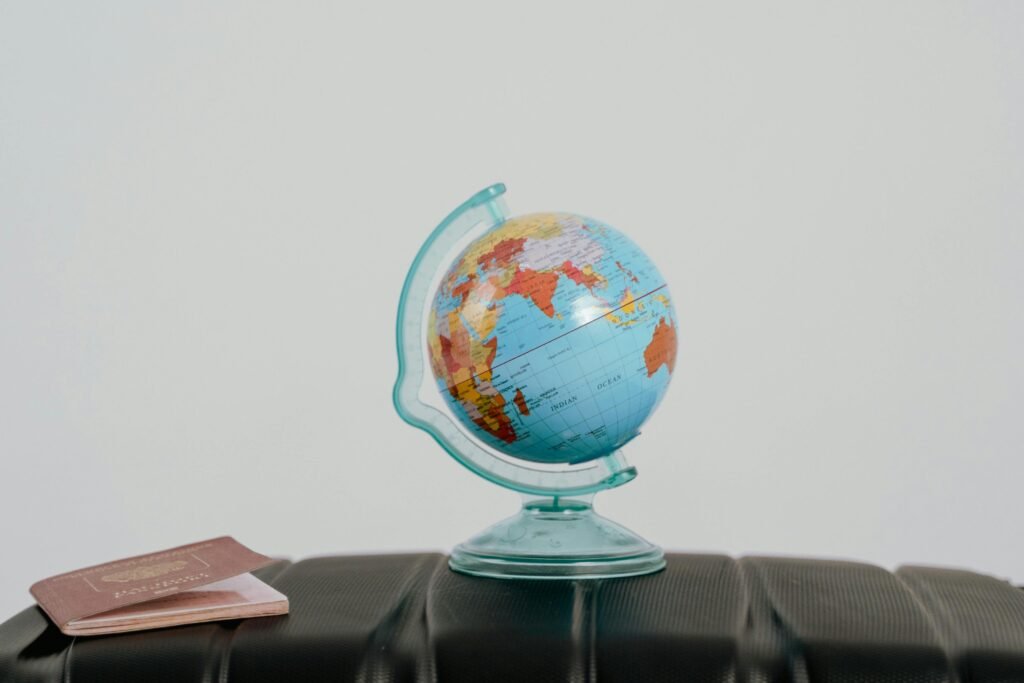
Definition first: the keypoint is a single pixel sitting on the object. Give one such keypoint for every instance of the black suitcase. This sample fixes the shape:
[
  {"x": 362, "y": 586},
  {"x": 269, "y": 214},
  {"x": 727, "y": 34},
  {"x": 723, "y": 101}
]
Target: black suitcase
[{"x": 704, "y": 618}]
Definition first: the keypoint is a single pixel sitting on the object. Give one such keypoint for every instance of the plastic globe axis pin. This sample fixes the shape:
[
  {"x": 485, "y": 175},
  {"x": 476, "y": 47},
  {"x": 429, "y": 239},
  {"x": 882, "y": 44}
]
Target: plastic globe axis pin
[{"x": 556, "y": 534}]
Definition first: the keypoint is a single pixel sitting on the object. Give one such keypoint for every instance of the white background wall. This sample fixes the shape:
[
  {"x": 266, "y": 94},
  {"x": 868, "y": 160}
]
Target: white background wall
[{"x": 207, "y": 210}]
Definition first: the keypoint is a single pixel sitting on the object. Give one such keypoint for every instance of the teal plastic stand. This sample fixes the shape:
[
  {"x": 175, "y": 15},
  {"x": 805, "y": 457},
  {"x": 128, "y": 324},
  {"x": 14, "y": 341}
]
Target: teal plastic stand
[{"x": 556, "y": 534}]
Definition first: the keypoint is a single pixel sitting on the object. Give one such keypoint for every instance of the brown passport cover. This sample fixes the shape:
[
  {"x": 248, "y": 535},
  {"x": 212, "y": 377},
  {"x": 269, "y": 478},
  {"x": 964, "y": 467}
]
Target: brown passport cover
[{"x": 104, "y": 587}]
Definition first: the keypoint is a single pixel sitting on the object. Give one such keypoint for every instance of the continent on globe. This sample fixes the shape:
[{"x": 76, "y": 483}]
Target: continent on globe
[
  {"x": 662, "y": 349},
  {"x": 538, "y": 287},
  {"x": 553, "y": 337}
]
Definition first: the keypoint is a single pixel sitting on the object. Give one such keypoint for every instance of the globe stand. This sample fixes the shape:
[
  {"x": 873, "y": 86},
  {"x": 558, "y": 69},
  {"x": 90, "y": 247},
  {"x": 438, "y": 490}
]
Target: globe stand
[{"x": 554, "y": 537}]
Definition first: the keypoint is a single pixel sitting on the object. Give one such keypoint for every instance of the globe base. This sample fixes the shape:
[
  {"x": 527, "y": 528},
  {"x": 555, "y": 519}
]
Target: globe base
[{"x": 554, "y": 538}]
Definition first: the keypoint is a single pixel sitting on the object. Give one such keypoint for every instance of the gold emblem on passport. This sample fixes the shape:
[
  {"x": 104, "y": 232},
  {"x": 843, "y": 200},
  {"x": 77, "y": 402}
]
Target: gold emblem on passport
[{"x": 150, "y": 572}]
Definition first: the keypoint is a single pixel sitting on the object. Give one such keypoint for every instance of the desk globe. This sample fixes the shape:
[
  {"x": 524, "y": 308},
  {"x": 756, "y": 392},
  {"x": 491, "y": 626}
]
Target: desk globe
[{"x": 532, "y": 348}]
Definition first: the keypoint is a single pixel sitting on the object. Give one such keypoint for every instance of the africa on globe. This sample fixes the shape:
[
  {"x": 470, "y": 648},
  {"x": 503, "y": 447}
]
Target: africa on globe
[{"x": 552, "y": 337}]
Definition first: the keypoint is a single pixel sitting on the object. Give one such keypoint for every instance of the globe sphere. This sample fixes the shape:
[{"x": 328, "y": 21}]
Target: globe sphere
[{"x": 552, "y": 338}]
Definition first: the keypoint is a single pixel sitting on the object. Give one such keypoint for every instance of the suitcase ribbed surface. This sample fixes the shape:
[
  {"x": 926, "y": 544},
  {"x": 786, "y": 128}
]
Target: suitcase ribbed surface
[{"x": 706, "y": 618}]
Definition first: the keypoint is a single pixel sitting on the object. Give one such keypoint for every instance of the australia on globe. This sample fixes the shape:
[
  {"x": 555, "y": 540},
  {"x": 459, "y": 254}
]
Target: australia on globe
[{"x": 553, "y": 338}]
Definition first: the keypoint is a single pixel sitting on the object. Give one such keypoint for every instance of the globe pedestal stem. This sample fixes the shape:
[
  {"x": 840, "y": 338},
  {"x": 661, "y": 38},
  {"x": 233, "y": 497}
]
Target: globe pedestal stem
[{"x": 557, "y": 538}]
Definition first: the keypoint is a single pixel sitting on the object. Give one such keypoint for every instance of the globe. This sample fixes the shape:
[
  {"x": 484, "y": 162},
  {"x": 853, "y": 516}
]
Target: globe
[
  {"x": 532, "y": 348},
  {"x": 552, "y": 338}
]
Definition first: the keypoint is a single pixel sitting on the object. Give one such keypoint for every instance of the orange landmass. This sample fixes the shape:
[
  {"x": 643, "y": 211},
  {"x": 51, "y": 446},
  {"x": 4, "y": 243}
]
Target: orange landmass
[
  {"x": 486, "y": 407},
  {"x": 520, "y": 402},
  {"x": 588, "y": 280},
  {"x": 662, "y": 348},
  {"x": 446, "y": 354},
  {"x": 483, "y": 403},
  {"x": 460, "y": 346},
  {"x": 537, "y": 286},
  {"x": 503, "y": 252},
  {"x": 463, "y": 289},
  {"x": 492, "y": 350}
]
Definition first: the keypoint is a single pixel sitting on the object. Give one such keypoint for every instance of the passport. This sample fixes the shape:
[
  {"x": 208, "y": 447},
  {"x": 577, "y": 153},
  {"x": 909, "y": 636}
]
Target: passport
[{"x": 205, "y": 581}]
